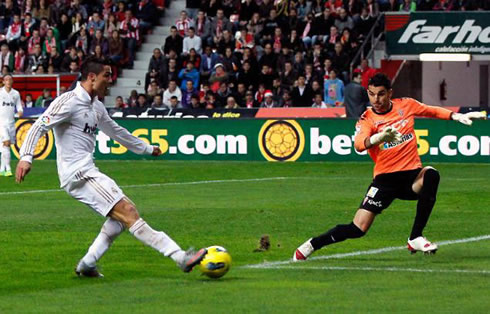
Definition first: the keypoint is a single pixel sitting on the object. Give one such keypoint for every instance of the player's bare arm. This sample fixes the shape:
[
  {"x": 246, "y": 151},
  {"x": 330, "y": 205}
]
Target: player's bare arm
[{"x": 23, "y": 168}]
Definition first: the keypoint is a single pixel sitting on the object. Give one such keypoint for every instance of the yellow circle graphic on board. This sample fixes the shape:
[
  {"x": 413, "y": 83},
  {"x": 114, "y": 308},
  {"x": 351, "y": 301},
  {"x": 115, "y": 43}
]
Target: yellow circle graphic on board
[
  {"x": 44, "y": 145},
  {"x": 281, "y": 140}
]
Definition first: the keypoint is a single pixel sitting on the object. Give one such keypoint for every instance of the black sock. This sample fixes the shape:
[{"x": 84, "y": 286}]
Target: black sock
[
  {"x": 427, "y": 199},
  {"x": 337, "y": 234}
]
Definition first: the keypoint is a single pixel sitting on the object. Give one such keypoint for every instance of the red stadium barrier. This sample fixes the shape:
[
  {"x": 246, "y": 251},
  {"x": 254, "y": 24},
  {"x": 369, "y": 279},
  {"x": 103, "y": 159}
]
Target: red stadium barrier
[{"x": 34, "y": 84}]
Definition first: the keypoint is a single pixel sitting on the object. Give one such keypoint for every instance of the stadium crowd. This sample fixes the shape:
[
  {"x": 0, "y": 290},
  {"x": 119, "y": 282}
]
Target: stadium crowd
[
  {"x": 220, "y": 54},
  {"x": 265, "y": 53}
]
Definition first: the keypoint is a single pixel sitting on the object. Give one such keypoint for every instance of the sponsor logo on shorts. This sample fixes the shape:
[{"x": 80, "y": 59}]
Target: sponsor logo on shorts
[
  {"x": 375, "y": 203},
  {"x": 372, "y": 192}
]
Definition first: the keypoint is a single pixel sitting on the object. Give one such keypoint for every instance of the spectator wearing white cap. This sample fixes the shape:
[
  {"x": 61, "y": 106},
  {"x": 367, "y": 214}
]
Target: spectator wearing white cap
[{"x": 217, "y": 77}]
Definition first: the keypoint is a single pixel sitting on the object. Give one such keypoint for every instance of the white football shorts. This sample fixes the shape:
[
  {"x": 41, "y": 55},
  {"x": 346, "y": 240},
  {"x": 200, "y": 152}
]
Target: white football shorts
[
  {"x": 95, "y": 189},
  {"x": 7, "y": 133}
]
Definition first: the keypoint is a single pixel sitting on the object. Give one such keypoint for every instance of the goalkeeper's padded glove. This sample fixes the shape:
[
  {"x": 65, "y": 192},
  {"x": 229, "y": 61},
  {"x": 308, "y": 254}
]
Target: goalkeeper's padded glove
[
  {"x": 466, "y": 118},
  {"x": 389, "y": 134}
]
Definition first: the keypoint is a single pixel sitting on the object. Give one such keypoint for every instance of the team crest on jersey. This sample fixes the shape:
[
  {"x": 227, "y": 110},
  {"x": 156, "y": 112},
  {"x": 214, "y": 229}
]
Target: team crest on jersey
[
  {"x": 45, "y": 120},
  {"x": 400, "y": 112}
]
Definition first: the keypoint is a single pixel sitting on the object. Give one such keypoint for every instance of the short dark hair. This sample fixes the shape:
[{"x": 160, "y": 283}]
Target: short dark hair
[
  {"x": 380, "y": 79},
  {"x": 92, "y": 65},
  {"x": 356, "y": 74}
]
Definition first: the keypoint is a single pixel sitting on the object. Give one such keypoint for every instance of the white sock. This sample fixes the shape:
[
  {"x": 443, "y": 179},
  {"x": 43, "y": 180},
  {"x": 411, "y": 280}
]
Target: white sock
[
  {"x": 111, "y": 229},
  {"x": 3, "y": 158},
  {"x": 157, "y": 240},
  {"x": 6, "y": 157}
]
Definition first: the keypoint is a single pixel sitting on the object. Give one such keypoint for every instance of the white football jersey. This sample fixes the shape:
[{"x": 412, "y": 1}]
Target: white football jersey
[
  {"x": 74, "y": 118},
  {"x": 8, "y": 103}
]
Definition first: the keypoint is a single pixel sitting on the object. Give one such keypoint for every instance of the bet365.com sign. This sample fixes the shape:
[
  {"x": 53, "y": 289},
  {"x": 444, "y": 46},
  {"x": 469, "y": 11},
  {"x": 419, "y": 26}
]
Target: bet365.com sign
[
  {"x": 276, "y": 140},
  {"x": 438, "y": 32}
]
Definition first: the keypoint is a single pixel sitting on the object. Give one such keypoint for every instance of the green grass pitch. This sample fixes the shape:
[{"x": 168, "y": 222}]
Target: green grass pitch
[{"x": 44, "y": 234}]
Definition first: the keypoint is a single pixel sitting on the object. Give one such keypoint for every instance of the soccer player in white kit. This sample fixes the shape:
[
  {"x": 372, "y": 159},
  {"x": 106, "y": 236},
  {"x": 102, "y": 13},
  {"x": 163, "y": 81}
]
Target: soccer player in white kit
[
  {"x": 74, "y": 117},
  {"x": 9, "y": 102}
]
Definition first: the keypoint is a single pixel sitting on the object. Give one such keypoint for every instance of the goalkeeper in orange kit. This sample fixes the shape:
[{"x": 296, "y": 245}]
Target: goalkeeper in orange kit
[{"x": 387, "y": 132}]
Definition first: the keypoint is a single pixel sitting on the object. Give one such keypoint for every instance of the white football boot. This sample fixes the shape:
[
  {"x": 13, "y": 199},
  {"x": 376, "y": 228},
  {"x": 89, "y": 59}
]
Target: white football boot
[
  {"x": 191, "y": 259},
  {"x": 83, "y": 270},
  {"x": 303, "y": 251},
  {"x": 421, "y": 244}
]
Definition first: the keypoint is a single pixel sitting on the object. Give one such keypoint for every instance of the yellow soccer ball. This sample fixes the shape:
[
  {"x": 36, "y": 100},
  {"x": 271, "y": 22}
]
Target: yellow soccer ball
[{"x": 216, "y": 262}]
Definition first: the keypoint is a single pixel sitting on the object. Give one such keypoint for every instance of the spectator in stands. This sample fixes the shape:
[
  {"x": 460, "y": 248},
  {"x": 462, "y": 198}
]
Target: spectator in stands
[
  {"x": 277, "y": 89},
  {"x": 101, "y": 41},
  {"x": 225, "y": 41},
  {"x": 32, "y": 41},
  {"x": 222, "y": 94},
  {"x": 333, "y": 37},
  {"x": 408, "y": 6},
  {"x": 56, "y": 9},
  {"x": 299, "y": 62},
  {"x": 49, "y": 42},
  {"x": 231, "y": 103},
  {"x": 5, "y": 70},
  {"x": 364, "y": 24},
  {"x": 36, "y": 60},
  {"x": 44, "y": 99},
  {"x": 366, "y": 73},
  {"x": 95, "y": 23},
  {"x": 133, "y": 97},
  {"x": 153, "y": 89},
  {"x": 82, "y": 41},
  {"x": 285, "y": 56},
  {"x": 64, "y": 29},
  {"x": 75, "y": 8},
  {"x": 157, "y": 102},
  {"x": 286, "y": 100},
  {"x": 111, "y": 25},
  {"x": 192, "y": 7},
  {"x": 171, "y": 74},
  {"x": 74, "y": 67},
  {"x": 68, "y": 58},
  {"x": 172, "y": 90},
  {"x": 318, "y": 101},
  {"x": 240, "y": 94},
  {"x": 302, "y": 95},
  {"x": 187, "y": 94},
  {"x": 120, "y": 104},
  {"x": 55, "y": 59},
  {"x": 157, "y": 67},
  {"x": 21, "y": 61},
  {"x": 14, "y": 32},
  {"x": 173, "y": 41},
  {"x": 195, "y": 104},
  {"x": 217, "y": 77},
  {"x": 219, "y": 24},
  {"x": 203, "y": 26},
  {"x": 356, "y": 98},
  {"x": 43, "y": 27},
  {"x": 289, "y": 76},
  {"x": 334, "y": 90},
  {"x": 209, "y": 100},
  {"x": 78, "y": 23},
  {"x": 208, "y": 60},
  {"x": 372, "y": 7},
  {"x": 316, "y": 87},
  {"x": 136, "y": 108},
  {"x": 28, "y": 103},
  {"x": 129, "y": 30},
  {"x": 147, "y": 14},
  {"x": 341, "y": 61},
  {"x": 174, "y": 103},
  {"x": 269, "y": 100},
  {"x": 191, "y": 42},
  {"x": 308, "y": 31},
  {"x": 344, "y": 21},
  {"x": 246, "y": 76},
  {"x": 250, "y": 102},
  {"x": 183, "y": 24},
  {"x": 116, "y": 47},
  {"x": 443, "y": 5},
  {"x": 189, "y": 73},
  {"x": 6, "y": 57}
]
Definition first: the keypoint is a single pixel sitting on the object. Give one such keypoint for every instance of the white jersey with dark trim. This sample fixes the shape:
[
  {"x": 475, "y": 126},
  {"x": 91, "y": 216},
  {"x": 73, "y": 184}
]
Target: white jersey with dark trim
[
  {"x": 9, "y": 102},
  {"x": 75, "y": 118}
]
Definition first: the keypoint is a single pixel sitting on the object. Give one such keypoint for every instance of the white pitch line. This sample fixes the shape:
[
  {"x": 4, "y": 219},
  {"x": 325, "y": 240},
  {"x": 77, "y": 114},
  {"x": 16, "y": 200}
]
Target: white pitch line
[
  {"x": 368, "y": 252},
  {"x": 388, "y": 269},
  {"x": 158, "y": 184}
]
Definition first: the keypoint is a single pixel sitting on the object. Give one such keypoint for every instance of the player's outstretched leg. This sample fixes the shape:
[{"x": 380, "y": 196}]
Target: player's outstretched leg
[
  {"x": 356, "y": 229},
  {"x": 427, "y": 198},
  {"x": 87, "y": 267},
  {"x": 126, "y": 212},
  {"x": 338, "y": 233}
]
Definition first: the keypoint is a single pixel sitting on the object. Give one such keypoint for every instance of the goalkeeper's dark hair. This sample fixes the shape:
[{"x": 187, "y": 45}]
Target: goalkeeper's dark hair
[
  {"x": 380, "y": 79},
  {"x": 92, "y": 65}
]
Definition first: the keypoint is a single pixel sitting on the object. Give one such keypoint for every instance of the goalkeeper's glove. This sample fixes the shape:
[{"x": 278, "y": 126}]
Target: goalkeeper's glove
[
  {"x": 466, "y": 118},
  {"x": 389, "y": 134}
]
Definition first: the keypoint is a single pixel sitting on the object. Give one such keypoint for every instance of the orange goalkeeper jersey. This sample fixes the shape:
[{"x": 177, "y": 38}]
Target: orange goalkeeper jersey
[{"x": 395, "y": 156}]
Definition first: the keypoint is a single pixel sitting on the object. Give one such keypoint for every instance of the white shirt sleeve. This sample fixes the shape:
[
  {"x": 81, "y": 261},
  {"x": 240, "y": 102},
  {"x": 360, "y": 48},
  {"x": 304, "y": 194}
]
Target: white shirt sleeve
[
  {"x": 120, "y": 134},
  {"x": 18, "y": 105},
  {"x": 59, "y": 111}
]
